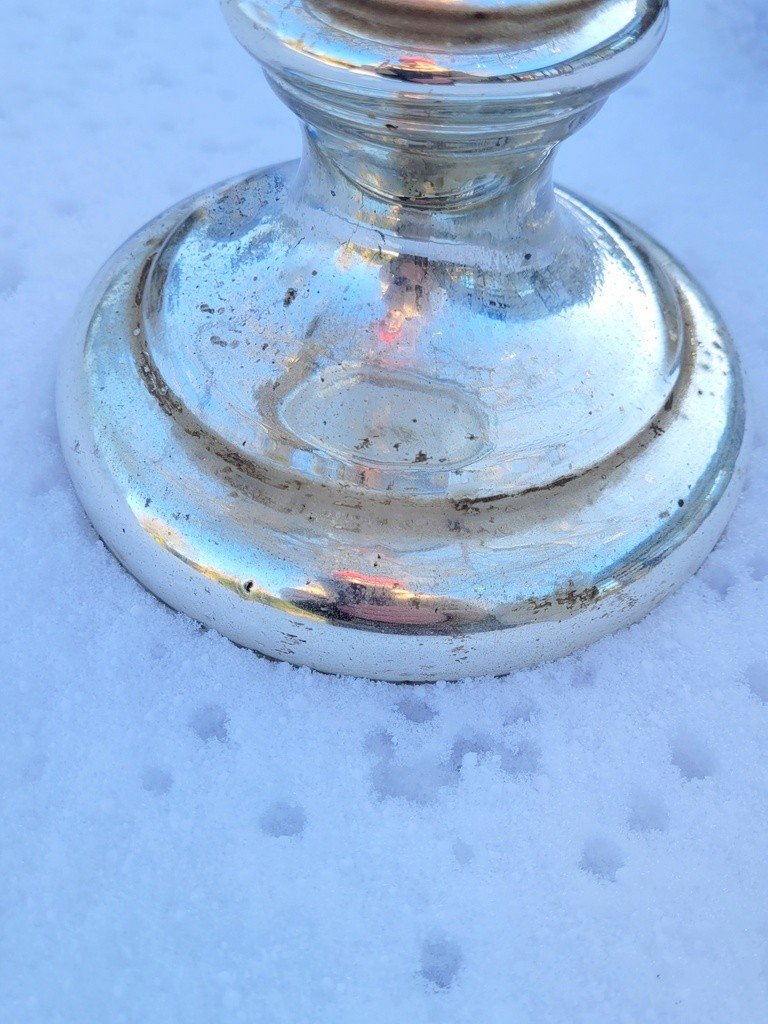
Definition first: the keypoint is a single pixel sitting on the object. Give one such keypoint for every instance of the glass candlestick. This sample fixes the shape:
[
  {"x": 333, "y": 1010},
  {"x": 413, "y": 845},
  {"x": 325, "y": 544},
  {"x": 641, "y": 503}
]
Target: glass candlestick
[{"x": 402, "y": 408}]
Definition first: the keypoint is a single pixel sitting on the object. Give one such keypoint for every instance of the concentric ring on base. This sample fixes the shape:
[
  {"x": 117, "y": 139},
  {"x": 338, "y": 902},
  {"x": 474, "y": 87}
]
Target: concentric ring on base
[{"x": 367, "y": 585}]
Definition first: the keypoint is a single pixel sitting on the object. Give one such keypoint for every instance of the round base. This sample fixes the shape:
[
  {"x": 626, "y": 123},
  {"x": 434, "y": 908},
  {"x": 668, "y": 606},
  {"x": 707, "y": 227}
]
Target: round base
[{"x": 411, "y": 587}]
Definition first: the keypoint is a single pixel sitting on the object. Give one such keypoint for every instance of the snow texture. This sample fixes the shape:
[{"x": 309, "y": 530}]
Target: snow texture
[{"x": 191, "y": 833}]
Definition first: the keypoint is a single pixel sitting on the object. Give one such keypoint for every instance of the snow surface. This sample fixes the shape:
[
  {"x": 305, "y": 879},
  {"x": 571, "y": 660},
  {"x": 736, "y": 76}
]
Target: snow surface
[{"x": 190, "y": 833}]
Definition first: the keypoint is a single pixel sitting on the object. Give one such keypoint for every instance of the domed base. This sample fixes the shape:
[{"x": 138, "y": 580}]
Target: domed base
[{"x": 370, "y": 558}]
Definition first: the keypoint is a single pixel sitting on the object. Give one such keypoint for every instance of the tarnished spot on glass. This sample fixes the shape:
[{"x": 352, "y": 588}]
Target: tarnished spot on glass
[{"x": 403, "y": 409}]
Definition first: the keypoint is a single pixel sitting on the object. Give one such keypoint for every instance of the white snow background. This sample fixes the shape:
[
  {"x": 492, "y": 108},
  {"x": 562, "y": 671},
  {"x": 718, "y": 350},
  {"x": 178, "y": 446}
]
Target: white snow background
[{"x": 193, "y": 834}]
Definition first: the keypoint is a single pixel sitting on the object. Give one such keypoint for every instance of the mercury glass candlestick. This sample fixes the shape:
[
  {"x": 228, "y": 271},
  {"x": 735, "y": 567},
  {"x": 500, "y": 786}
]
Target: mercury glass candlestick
[{"x": 402, "y": 408}]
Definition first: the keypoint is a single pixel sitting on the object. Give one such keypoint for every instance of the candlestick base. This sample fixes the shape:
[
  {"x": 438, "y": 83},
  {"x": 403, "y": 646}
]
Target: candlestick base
[{"x": 529, "y": 473}]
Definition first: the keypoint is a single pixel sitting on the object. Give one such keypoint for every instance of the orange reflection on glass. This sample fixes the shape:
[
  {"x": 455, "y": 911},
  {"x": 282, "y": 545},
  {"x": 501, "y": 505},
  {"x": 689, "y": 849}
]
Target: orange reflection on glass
[{"x": 403, "y": 288}]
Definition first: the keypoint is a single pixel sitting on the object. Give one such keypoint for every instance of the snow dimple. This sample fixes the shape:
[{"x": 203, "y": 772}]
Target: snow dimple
[
  {"x": 756, "y": 678},
  {"x": 157, "y": 781},
  {"x": 282, "y": 820},
  {"x": 441, "y": 961},
  {"x": 478, "y": 745},
  {"x": 210, "y": 723},
  {"x": 524, "y": 759},
  {"x": 400, "y": 773},
  {"x": 416, "y": 710},
  {"x": 759, "y": 567},
  {"x": 520, "y": 759},
  {"x": 521, "y": 712},
  {"x": 33, "y": 770},
  {"x": 746, "y": 21},
  {"x": 647, "y": 813},
  {"x": 418, "y": 781},
  {"x": 718, "y": 577},
  {"x": 463, "y": 852},
  {"x": 380, "y": 744},
  {"x": 11, "y": 274},
  {"x": 692, "y": 756},
  {"x": 584, "y": 673},
  {"x": 601, "y": 858}
]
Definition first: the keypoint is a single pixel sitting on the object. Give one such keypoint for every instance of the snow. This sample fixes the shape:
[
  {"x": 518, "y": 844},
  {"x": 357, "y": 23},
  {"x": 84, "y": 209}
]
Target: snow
[{"x": 191, "y": 833}]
